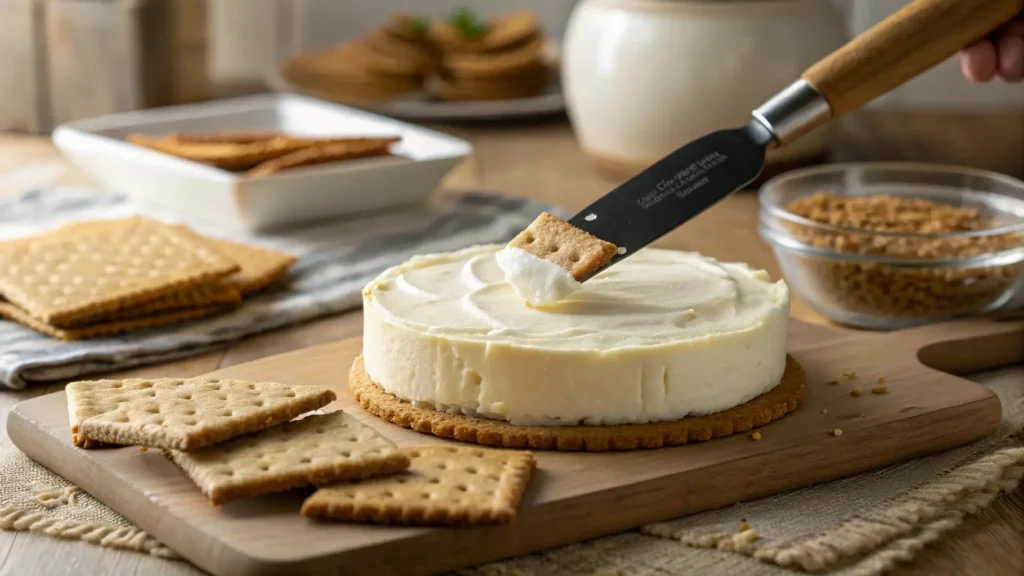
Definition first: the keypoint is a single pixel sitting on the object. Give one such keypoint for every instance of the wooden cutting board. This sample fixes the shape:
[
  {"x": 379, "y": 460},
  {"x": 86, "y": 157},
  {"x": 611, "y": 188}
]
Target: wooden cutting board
[{"x": 573, "y": 496}]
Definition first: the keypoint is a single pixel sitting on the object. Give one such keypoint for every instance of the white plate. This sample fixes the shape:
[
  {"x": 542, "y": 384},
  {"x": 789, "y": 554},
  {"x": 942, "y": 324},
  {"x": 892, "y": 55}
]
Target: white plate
[{"x": 194, "y": 192}]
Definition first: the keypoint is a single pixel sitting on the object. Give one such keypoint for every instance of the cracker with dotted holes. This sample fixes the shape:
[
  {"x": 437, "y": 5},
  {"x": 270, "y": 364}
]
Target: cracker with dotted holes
[
  {"x": 216, "y": 293},
  {"x": 555, "y": 240},
  {"x": 107, "y": 327},
  {"x": 352, "y": 149},
  {"x": 446, "y": 485},
  {"x": 316, "y": 450},
  {"x": 179, "y": 414},
  {"x": 62, "y": 277},
  {"x": 258, "y": 268}
]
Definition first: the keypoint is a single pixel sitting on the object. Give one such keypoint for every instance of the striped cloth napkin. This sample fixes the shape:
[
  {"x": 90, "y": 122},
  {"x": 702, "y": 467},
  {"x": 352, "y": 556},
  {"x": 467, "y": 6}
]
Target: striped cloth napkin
[{"x": 335, "y": 261}]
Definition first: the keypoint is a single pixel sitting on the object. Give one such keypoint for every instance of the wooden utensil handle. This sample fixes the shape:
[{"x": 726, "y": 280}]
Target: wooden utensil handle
[{"x": 911, "y": 41}]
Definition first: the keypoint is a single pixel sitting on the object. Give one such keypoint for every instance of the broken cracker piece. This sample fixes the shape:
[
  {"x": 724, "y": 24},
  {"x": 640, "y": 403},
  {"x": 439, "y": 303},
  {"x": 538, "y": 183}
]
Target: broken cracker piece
[
  {"x": 555, "y": 240},
  {"x": 225, "y": 155},
  {"x": 179, "y": 414},
  {"x": 316, "y": 450},
  {"x": 446, "y": 485},
  {"x": 259, "y": 267},
  {"x": 336, "y": 151}
]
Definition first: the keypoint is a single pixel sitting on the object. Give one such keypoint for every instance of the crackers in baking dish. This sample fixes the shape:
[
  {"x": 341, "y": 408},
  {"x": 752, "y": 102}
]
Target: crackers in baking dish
[{"x": 261, "y": 153}]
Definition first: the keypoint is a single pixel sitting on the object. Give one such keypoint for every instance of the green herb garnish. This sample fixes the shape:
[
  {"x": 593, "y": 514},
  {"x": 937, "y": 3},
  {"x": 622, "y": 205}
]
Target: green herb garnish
[{"x": 467, "y": 24}]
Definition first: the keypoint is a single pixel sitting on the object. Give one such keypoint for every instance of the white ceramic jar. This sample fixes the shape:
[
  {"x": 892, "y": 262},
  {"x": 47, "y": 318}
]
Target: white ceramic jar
[{"x": 643, "y": 77}]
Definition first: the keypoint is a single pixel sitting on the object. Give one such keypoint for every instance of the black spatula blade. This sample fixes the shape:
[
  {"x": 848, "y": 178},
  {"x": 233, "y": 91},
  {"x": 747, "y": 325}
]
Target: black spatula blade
[{"x": 676, "y": 188}]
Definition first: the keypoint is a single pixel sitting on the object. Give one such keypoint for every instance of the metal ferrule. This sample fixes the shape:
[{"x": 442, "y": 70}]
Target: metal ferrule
[{"x": 795, "y": 111}]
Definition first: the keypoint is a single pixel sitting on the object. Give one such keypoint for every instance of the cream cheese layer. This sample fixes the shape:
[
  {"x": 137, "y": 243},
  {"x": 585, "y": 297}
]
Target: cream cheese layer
[
  {"x": 534, "y": 279},
  {"x": 659, "y": 336}
]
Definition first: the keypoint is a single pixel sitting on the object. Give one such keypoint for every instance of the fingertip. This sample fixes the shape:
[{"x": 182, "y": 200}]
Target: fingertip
[
  {"x": 1011, "y": 58},
  {"x": 979, "y": 63}
]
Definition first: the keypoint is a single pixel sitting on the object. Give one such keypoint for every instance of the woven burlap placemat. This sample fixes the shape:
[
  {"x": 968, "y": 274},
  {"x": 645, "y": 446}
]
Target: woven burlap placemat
[{"x": 862, "y": 525}]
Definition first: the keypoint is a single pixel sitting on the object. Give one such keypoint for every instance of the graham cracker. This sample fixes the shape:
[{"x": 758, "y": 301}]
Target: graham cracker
[
  {"x": 63, "y": 277},
  {"x": 767, "y": 407},
  {"x": 446, "y": 485},
  {"x": 179, "y": 414},
  {"x": 214, "y": 295},
  {"x": 316, "y": 450},
  {"x": 358, "y": 59},
  {"x": 553, "y": 239},
  {"x": 224, "y": 137},
  {"x": 418, "y": 54},
  {"x": 108, "y": 327},
  {"x": 259, "y": 267},
  {"x": 336, "y": 152},
  {"x": 496, "y": 64},
  {"x": 346, "y": 84},
  {"x": 217, "y": 293},
  {"x": 226, "y": 155},
  {"x": 523, "y": 84}
]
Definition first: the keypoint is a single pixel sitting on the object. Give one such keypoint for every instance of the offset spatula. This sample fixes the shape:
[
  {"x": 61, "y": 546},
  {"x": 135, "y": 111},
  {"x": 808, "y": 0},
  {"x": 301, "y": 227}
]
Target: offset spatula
[{"x": 696, "y": 176}]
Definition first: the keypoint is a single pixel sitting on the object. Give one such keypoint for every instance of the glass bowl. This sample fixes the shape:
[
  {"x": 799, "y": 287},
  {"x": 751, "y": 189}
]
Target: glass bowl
[{"x": 880, "y": 276}]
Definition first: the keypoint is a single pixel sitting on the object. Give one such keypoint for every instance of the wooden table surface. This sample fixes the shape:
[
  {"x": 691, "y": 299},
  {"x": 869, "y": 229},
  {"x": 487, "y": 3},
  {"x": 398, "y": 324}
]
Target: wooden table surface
[{"x": 540, "y": 160}]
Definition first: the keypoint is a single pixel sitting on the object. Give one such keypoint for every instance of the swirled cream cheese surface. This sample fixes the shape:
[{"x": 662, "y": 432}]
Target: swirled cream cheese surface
[{"x": 659, "y": 336}]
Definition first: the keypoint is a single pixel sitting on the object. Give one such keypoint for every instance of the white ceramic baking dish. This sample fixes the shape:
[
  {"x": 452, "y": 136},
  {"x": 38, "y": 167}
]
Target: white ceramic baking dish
[{"x": 194, "y": 192}]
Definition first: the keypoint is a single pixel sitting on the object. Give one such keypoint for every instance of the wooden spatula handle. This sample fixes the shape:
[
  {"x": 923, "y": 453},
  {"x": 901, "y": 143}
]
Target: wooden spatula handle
[{"x": 911, "y": 41}]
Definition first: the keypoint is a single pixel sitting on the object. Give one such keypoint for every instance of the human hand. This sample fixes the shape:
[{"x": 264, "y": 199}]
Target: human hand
[{"x": 1000, "y": 54}]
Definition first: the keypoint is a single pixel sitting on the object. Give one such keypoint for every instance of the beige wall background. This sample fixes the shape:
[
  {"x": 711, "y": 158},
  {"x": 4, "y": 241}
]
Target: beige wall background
[{"x": 248, "y": 36}]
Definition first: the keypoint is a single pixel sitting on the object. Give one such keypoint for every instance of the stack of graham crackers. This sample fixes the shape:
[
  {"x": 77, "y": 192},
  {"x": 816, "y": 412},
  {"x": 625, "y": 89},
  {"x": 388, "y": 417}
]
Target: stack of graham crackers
[
  {"x": 99, "y": 278},
  {"x": 460, "y": 58},
  {"x": 494, "y": 60},
  {"x": 236, "y": 439}
]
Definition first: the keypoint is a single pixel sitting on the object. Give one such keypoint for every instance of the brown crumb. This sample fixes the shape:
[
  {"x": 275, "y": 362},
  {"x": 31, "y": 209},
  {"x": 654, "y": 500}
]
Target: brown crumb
[
  {"x": 880, "y": 390},
  {"x": 849, "y": 375},
  {"x": 881, "y": 379},
  {"x": 143, "y": 449},
  {"x": 744, "y": 527},
  {"x": 856, "y": 391},
  {"x": 834, "y": 382},
  {"x": 836, "y": 432},
  {"x": 899, "y": 291},
  {"x": 756, "y": 436}
]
